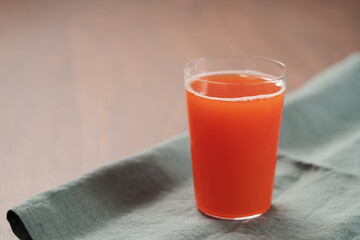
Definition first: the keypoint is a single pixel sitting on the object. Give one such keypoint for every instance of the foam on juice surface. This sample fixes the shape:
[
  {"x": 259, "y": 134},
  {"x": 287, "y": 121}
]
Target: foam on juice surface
[{"x": 244, "y": 73}]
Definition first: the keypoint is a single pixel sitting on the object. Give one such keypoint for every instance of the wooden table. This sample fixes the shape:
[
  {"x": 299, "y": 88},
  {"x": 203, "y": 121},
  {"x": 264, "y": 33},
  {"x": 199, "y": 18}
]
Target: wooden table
[{"x": 84, "y": 83}]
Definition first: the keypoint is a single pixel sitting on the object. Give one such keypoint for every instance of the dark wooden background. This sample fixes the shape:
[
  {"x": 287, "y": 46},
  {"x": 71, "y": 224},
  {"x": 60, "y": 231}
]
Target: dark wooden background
[{"x": 84, "y": 83}]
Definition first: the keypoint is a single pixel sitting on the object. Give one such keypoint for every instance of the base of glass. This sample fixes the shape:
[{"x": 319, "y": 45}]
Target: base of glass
[{"x": 230, "y": 218}]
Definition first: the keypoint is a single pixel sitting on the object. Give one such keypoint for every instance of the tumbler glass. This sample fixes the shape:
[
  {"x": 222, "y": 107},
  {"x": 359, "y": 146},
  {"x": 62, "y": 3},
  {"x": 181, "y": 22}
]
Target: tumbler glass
[{"x": 234, "y": 111}]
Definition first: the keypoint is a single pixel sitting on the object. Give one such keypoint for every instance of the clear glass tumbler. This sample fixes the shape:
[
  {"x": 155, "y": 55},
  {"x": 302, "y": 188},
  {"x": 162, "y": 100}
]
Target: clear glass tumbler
[{"x": 234, "y": 111}]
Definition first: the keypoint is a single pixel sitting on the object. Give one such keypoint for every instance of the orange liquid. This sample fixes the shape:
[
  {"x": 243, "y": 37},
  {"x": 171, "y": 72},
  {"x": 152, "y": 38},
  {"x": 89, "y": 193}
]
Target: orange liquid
[{"x": 234, "y": 142}]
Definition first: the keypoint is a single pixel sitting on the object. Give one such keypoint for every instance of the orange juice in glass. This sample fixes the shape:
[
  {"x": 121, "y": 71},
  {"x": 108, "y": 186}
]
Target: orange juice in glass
[{"x": 234, "y": 111}]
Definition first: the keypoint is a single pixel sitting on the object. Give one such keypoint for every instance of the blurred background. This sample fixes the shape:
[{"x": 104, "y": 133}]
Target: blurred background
[{"x": 84, "y": 83}]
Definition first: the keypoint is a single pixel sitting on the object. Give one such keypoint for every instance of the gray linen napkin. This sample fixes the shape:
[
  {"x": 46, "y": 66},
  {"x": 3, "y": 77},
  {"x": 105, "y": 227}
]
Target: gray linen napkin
[{"x": 150, "y": 195}]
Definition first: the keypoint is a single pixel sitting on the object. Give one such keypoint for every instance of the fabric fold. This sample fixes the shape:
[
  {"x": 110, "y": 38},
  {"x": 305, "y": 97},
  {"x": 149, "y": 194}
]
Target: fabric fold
[{"x": 321, "y": 120}]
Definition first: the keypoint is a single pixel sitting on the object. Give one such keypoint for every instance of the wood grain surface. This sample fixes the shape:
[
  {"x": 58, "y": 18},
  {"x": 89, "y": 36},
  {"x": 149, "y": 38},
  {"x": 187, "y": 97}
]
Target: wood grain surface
[{"x": 84, "y": 83}]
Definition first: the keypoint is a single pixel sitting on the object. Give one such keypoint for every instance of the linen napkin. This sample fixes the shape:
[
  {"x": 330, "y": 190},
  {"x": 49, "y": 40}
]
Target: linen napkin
[{"x": 150, "y": 195}]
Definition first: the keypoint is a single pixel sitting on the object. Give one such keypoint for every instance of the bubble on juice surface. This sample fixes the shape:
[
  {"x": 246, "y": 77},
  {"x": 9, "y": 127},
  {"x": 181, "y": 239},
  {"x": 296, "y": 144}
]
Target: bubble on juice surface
[{"x": 243, "y": 73}]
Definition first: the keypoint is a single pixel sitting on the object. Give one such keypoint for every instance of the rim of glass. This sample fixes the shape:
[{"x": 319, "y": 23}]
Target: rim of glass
[{"x": 267, "y": 59}]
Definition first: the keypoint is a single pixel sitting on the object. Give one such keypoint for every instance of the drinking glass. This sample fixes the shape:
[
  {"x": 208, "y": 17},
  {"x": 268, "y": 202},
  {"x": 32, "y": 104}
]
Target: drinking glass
[{"x": 234, "y": 111}]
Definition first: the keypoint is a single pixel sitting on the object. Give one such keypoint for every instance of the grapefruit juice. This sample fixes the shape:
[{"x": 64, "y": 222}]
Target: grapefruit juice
[{"x": 234, "y": 126}]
